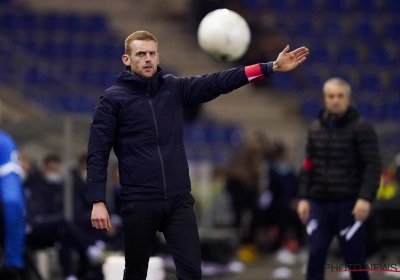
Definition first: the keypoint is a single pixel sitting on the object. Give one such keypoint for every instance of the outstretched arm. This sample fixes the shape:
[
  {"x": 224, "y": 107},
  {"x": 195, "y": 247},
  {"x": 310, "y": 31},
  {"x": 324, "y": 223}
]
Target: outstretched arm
[
  {"x": 287, "y": 61},
  {"x": 200, "y": 89}
]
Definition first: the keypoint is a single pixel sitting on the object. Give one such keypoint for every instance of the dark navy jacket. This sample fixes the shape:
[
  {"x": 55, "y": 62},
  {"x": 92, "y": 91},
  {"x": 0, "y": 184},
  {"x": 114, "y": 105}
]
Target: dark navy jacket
[{"x": 141, "y": 118}]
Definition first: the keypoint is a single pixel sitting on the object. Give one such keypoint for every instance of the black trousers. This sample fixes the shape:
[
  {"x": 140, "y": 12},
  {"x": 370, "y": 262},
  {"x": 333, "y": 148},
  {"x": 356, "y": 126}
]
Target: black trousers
[
  {"x": 329, "y": 219},
  {"x": 176, "y": 219}
]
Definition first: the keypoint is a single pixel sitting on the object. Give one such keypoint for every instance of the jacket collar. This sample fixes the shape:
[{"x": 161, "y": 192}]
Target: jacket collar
[
  {"x": 327, "y": 120},
  {"x": 140, "y": 83}
]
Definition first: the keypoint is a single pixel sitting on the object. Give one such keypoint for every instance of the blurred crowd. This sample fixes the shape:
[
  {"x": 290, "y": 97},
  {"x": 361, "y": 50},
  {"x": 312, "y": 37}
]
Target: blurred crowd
[
  {"x": 47, "y": 225},
  {"x": 259, "y": 180},
  {"x": 259, "y": 183}
]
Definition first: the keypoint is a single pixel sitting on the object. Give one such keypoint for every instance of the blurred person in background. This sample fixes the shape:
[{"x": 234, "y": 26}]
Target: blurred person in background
[
  {"x": 141, "y": 118},
  {"x": 48, "y": 180},
  {"x": 47, "y": 227},
  {"x": 283, "y": 187},
  {"x": 339, "y": 180},
  {"x": 26, "y": 165},
  {"x": 82, "y": 203},
  {"x": 83, "y": 207},
  {"x": 12, "y": 211},
  {"x": 242, "y": 183},
  {"x": 116, "y": 187},
  {"x": 397, "y": 163}
]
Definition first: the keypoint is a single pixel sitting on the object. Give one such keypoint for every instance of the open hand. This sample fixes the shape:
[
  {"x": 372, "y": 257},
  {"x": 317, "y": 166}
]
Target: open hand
[{"x": 287, "y": 61}]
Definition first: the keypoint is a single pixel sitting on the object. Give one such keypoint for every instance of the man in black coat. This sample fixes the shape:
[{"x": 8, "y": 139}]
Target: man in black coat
[
  {"x": 141, "y": 118},
  {"x": 339, "y": 180}
]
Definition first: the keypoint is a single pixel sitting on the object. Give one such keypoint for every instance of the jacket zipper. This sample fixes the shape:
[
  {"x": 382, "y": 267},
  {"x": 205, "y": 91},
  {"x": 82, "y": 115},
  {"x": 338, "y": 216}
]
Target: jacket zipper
[
  {"x": 328, "y": 154},
  {"x": 158, "y": 140}
]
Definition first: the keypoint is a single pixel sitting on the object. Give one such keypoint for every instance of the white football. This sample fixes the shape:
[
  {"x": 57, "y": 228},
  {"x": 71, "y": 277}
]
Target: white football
[{"x": 224, "y": 34}]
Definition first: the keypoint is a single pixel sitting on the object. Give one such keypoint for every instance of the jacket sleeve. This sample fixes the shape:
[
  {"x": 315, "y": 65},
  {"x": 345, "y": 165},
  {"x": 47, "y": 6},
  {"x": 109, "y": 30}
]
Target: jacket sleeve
[
  {"x": 102, "y": 131},
  {"x": 368, "y": 151},
  {"x": 306, "y": 171},
  {"x": 204, "y": 88}
]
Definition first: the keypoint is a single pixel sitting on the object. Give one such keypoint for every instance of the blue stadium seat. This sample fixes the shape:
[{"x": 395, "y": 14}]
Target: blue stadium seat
[
  {"x": 392, "y": 31},
  {"x": 368, "y": 110},
  {"x": 51, "y": 80},
  {"x": 279, "y": 5},
  {"x": 52, "y": 50},
  {"x": 31, "y": 46},
  {"x": 96, "y": 23},
  {"x": 88, "y": 105},
  {"x": 391, "y": 111},
  {"x": 72, "y": 23},
  {"x": 67, "y": 103},
  {"x": 305, "y": 28},
  {"x": 90, "y": 77},
  {"x": 319, "y": 54},
  {"x": 194, "y": 134},
  {"x": 379, "y": 55},
  {"x": 10, "y": 21},
  {"x": 52, "y": 22},
  {"x": 393, "y": 6},
  {"x": 306, "y": 5},
  {"x": 94, "y": 50},
  {"x": 283, "y": 81},
  {"x": 113, "y": 51},
  {"x": 333, "y": 29},
  {"x": 314, "y": 79},
  {"x": 72, "y": 50},
  {"x": 108, "y": 50},
  {"x": 34, "y": 76},
  {"x": 370, "y": 82},
  {"x": 336, "y": 6},
  {"x": 366, "y": 6},
  {"x": 75, "y": 104},
  {"x": 364, "y": 31},
  {"x": 310, "y": 109},
  {"x": 395, "y": 82},
  {"x": 348, "y": 54},
  {"x": 107, "y": 78},
  {"x": 30, "y": 21},
  {"x": 254, "y": 6},
  {"x": 342, "y": 73},
  {"x": 214, "y": 134}
]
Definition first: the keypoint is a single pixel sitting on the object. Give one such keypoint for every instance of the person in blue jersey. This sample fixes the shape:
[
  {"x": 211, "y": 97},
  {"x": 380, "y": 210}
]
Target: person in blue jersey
[
  {"x": 141, "y": 117},
  {"x": 12, "y": 203}
]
